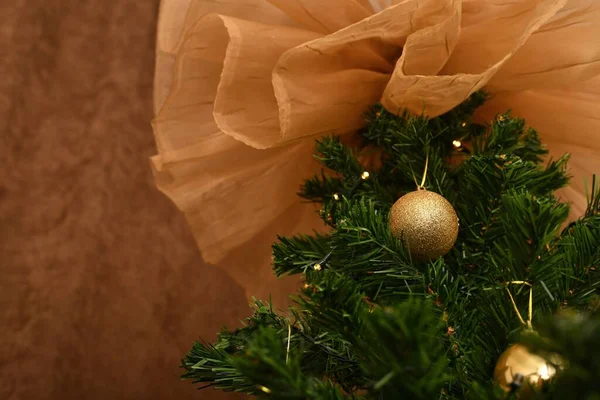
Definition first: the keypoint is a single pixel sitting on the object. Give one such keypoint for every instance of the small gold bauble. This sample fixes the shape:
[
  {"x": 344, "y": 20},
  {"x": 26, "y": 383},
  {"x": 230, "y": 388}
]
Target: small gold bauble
[
  {"x": 426, "y": 222},
  {"x": 521, "y": 372}
]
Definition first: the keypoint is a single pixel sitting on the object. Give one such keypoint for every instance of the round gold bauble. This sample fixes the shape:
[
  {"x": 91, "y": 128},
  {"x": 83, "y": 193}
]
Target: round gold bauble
[
  {"x": 426, "y": 222},
  {"x": 521, "y": 372}
]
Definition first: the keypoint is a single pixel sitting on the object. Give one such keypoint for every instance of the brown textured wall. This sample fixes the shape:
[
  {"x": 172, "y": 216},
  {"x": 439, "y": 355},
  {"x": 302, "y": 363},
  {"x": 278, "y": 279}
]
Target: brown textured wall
[{"x": 102, "y": 289}]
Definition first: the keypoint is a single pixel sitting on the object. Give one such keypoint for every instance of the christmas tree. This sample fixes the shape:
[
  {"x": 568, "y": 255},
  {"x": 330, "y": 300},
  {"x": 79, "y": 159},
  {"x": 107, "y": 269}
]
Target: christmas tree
[{"x": 448, "y": 272}]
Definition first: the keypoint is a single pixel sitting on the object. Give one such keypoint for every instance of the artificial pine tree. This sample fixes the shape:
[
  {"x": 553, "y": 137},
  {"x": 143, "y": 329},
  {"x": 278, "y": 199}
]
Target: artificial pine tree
[{"x": 390, "y": 311}]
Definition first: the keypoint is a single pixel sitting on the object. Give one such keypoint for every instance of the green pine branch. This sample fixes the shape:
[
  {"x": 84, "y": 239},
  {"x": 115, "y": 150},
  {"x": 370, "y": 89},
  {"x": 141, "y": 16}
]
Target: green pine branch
[{"x": 372, "y": 323}]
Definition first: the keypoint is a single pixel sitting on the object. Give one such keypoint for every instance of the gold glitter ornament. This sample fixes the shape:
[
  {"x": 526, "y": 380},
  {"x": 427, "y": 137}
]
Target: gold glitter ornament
[
  {"x": 521, "y": 372},
  {"x": 426, "y": 222}
]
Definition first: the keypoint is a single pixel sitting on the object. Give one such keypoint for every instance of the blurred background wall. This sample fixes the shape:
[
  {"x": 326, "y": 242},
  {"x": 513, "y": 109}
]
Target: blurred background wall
[{"x": 102, "y": 289}]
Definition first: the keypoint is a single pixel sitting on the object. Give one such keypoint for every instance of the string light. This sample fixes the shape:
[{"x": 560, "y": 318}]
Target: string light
[
  {"x": 457, "y": 143},
  {"x": 463, "y": 124},
  {"x": 306, "y": 286},
  {"x": 500, "y": 118},
  {"x": 265, "y": 389},
  {"x": 318, "y": 266},
  {"x": 336, "y": 196},
  {"x": 365, "y": 175}
]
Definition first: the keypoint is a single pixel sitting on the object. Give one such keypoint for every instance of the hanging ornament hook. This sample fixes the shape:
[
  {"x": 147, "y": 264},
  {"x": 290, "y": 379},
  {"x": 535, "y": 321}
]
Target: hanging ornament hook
[
  {"x": 422, "y": 185},
  {"x": 530, "y": 314}
]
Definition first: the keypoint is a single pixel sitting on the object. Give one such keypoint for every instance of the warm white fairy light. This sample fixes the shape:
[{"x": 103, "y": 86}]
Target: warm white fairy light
[
  {"x": 265, "y": 389},
  {"x": 457, "y": 143},
  {"x": 365, "y": 175}
]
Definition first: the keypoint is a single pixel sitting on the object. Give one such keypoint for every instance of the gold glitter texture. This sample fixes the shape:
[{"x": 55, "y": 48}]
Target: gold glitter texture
[{"x": 426, "y": 222}]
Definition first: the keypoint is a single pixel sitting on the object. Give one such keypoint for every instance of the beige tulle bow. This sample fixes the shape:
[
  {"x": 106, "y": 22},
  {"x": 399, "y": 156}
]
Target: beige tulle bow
[{"x": 242, "y": 88}]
